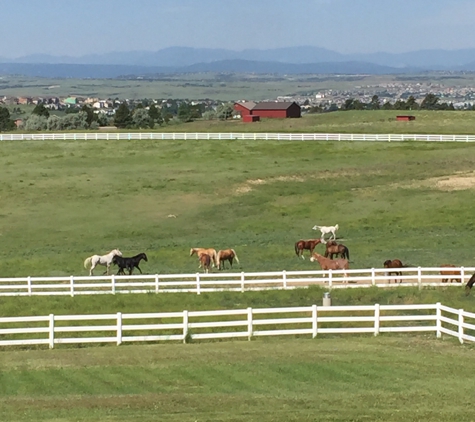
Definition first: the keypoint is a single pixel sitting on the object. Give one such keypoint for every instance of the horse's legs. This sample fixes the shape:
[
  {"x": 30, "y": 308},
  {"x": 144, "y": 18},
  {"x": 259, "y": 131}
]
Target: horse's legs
[{"x": 139, "y": 269}]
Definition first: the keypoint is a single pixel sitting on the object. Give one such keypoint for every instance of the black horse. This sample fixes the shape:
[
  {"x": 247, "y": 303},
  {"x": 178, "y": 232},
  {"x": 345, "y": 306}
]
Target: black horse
[{"x": 129, "y": 262}]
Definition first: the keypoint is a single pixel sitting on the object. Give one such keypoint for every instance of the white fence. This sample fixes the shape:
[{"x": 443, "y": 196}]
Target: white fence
[
  {"x": 229, "y": 136},
  {"x": 240, "y": 323},
  {"x": 213, "y": 282}
]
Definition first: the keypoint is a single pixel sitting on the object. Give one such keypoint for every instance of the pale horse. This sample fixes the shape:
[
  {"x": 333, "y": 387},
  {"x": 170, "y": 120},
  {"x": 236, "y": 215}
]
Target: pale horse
[
  {"x": 325, "y": 230},
  {"x": 106, "y": 260}
]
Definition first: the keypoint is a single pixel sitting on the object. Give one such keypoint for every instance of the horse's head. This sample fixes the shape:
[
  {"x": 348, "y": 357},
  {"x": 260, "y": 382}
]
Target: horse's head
[
  {"x": 387, "y": 263},
  {"x": 192, "y": 251},
  {"x": 116, "y": 252},
  {"x": 315, "y": 227},
  {"x": 144, "y": 256}
]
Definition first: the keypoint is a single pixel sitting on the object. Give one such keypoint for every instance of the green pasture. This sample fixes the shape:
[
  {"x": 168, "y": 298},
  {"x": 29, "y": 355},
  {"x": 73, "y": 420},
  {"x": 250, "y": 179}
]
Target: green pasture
[
  {"x": 387, "y": 378},
  {"x": 64, "y": 201}
]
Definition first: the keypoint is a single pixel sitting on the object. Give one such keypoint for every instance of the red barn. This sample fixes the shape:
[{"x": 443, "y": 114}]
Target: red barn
[
  {"x": 405, "y": 118},
  {"x": 244, "y": 108},
  {"x": 276, "y": 110}
]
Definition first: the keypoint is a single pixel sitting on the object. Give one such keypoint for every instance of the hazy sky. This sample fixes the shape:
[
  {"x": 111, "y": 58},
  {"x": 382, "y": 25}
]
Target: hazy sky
[{"x": 78, "y": 27}]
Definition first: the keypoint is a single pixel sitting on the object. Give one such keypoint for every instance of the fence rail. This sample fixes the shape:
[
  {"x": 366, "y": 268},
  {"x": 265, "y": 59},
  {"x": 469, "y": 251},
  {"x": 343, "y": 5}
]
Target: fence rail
[
  {"x": 236, "y": 136},
  {"x": 237, "y": 323},
  {"x": 239, "y": 282}
]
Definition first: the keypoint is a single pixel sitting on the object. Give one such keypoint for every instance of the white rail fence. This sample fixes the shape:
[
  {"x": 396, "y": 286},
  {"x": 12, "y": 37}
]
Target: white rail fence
[
  {"x": 240, "y": 323},
  {"x": 239, "y": 282},
  {"x": 236, "y": 136}
]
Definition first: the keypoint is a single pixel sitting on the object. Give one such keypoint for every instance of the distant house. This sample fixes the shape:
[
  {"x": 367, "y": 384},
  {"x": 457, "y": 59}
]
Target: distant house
[
  {"x": 269, "y": 109},
  {"x": 405, "y": 118}
]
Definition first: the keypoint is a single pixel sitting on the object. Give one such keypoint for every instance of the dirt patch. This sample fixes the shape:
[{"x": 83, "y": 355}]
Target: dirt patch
[{"x": 457, "y": 181}]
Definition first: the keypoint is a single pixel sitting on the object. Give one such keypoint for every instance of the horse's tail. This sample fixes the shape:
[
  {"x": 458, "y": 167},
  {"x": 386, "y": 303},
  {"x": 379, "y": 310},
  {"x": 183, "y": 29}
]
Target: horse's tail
[
  {"x": 235, "y": 256},
  {"x": 87, "y": 261},
  {"x": 215, "y": 258},
  {"x": 347, "y": 254},
  {"x": 469, "y": 285},
  {"x": 296, "y": 248}
]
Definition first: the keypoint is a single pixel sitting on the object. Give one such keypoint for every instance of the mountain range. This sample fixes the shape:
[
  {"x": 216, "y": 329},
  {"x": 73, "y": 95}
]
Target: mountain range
[{"x": 289, "y": 60}]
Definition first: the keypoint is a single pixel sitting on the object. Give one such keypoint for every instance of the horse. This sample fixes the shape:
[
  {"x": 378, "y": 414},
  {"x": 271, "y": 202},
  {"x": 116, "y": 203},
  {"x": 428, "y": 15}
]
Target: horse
[
  {"x": 129, "y": 262},
  {"x": 331, "y": 264},
  {"x": 469, "y": 285},
  {"x": 106, "y": 260},
  {"x": 210, "y": 251},
  {"x": 309, "y": 244},
  {"x": 451, "y": 275},
  {"x": 395, "y": 263},
  {"x": 326, "y": 230},
  {"x": 226, "y": 255},
  {"x": 333, "y": 248},
  {"x": 205, "y": 262}
]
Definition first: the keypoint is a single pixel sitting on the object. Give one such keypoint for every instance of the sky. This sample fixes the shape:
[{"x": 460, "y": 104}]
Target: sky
[{"x": 76, "y": 28}]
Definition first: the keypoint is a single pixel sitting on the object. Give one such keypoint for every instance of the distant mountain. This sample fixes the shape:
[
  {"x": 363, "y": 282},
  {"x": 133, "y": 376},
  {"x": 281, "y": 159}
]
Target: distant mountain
[{"x": 289, "y": 60}]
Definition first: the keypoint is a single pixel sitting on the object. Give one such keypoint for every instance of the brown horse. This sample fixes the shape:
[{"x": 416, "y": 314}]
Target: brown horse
[
  {"x": 395, "y": 263},
  {"x": 331, "y": 264},
  {"x": 226, "y": 255},
  {"x": 308, "y": 244},
  {"x": 205, "y": 262},
  {"x": 451, "y": 275},
  {"x": 470, "y": 284},
  {"x": 333, "y": 248},
  {"x": 210, "y": 251}
]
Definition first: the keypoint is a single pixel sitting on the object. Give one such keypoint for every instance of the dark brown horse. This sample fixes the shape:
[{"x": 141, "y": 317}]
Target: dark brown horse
[
  {"x": 395, "y": 263},
  {"x": 308, "y": 244},
  {"x": 470, "y": 284},
  {"x": 338, "y": 249},
  {"x": 450, "y": 275},
  {"x": 330, "y": 264},
  {"x": 226, "y": 255}
]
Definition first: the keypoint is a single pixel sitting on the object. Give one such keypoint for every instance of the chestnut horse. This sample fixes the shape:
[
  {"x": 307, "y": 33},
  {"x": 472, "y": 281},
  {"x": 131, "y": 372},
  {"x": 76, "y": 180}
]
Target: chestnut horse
[
  {"x": 395, "y": 263},
  {"x": 205, "y": 262},
  {"x": 450, "y": 275},
  {"x": 331, "y": 264},
  {"x": 333, "y": 248},
  {"x": 226, "y": 255},
  {"x": 306, "y": 244},
  {"x": 470, "y": 284},
  {"x": 210, "y": 251}
]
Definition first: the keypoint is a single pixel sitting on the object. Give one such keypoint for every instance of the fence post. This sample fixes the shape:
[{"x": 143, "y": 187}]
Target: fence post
[
  {"x": 113, "y": 284},
  {"x": 438, "y": 323},
  {"x": 157, "y": 283},
  {"x": 71, "y": 285},
  {"x": 198, "y": 291},
  {"x": 284, "y": 279},
  {"x": 185, "y": 325},
  {"x": 330, "y": 278},
  {"x": 462, "y": 274},
  {"x": 461, "y": 326},
  {"x": 51, "y": 331},
  {"x": 373, "y": 275},
  {"x": 314, "y": 321},
  {"x": 419, "y": 277},
  {"x": 249, "y": 323},
  {"x": 242, "y": 281},
  {"x": 29, "y": 285},
  {"x": 376, "y": 319},
  {"x": 119, "y": 328}
]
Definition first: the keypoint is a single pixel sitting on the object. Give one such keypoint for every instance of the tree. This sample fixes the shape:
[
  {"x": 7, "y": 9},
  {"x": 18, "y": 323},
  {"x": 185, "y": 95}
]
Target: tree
[
  {"x": 41, "y": 110},
  {"x": 91, "y": 116},
  {"x": 155, "y": 114},
  {"x": 141, "y": 119},
  {"x": 6, "y": 123},
  {"x": 375, "y": 103},
  {"x": 412, "y": 103},
  {"x": 35, "y": 123},
  {"x": 184, "y": 112},
  {"x": 430, "y": 102},
  {"x": 123, "y": 118},
  {"x": 224, "y": 111}
]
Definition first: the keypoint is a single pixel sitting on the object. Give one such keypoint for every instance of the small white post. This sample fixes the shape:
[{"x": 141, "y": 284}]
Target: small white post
[
  {"x": 51, "y": 331},
  {"x": 71, "y": 285},
  {"x": 284, "y": 279},
  {"x": 438, "y": 323},
  {"x": 157, "y": 283},
  {"x": 249, "y": 323},
  {"x": 376, "y": 319},
  {"x": 185, "y": 325},
  {"x": 119, "y": 328},
  {"x": 242, "y": 281},
  {"x": 419, "y": 277},
  {"x": 113, "y": 284},
  {"x": 198, "y": 290},
  {"x": 29, "y": 285},
  {"x": 461, "y": 326},
  {"x": 314, "y": 321},
  {"x": 462, "y": 274},
  {"x": 330, "y": 278},
  {"x": 373, "y": 277}
]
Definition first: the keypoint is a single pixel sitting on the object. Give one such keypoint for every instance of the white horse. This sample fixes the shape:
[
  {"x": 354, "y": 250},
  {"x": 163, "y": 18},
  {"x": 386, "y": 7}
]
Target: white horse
[
  {"x": 325, "y": 230},
  {"x": 106, "y": 260}
]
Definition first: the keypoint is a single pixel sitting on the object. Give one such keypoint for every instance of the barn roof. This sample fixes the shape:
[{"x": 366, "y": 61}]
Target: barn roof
[
  {"x": 247, "y": 104},
  {"x": 273, "y": 105}
]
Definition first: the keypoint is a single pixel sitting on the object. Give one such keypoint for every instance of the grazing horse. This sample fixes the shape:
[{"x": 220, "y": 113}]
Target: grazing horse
[
  {"x": 129, "y": 262},
  {"x": 395, "y": 263},
  {"x": 333, "y": 248},
  {"x": 331, "y": 264},
  {"x": 205, "y": 262},
  {"x": 106, "y": 260},
  {"x": 306, "y": 244},
  {"x": 450, "y": 275},
  {"x": 226, "y": 255},
  {"x": 326, "y": 230},
  {"x": 470, "y": 284},
  {"x": 210, "y": 251}
]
